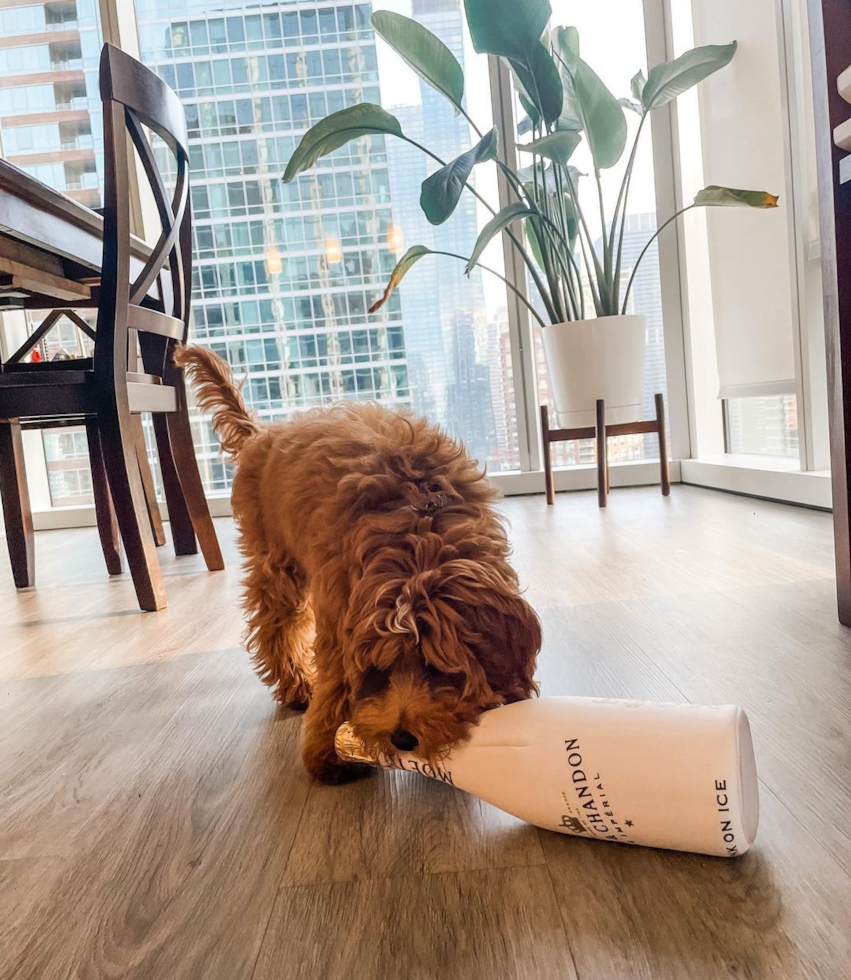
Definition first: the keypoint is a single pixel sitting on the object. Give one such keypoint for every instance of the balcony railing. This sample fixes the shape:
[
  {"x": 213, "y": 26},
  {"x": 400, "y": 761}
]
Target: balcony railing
[
  {"x": 80, "y": 143},
  {"x": 69, "y": 64}
]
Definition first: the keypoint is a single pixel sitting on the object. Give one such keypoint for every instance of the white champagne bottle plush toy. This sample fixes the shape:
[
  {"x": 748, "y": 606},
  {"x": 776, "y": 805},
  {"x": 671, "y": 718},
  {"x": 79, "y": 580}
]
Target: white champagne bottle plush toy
[{"x": 677, "y": 776}]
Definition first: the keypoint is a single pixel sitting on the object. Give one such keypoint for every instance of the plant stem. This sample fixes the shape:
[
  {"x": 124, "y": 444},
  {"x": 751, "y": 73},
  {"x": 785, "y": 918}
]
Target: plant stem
[
  {"x": 595, "y": 293},
  {"x": 566, "y": 235},
  {"x": 624, "y": 188},
  {"x": 463, "y": 112},
  {"x": 650, "y": 241},
  {"x": 493, "y": 272},
  {"x": 552, "y": 277},
  {"x": 512, "y": 180},
  {"x": 623, "y": 196},
  {"x": 545, "y": 296},
  {"x": 557, "y": 239},
  {"x": 607, "y": 256}
]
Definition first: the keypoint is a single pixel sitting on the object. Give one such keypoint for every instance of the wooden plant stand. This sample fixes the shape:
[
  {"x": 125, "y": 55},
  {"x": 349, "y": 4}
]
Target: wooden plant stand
[{"x": 602, "y": 432}]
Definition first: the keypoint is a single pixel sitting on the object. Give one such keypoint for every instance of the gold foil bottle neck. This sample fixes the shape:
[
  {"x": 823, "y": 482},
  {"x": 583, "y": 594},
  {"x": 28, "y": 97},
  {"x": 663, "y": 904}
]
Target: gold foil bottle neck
[{"x": 350, "y": 748}]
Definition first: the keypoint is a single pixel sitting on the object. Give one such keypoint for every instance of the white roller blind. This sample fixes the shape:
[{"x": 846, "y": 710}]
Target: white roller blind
[{"x": 742, "y": 125}]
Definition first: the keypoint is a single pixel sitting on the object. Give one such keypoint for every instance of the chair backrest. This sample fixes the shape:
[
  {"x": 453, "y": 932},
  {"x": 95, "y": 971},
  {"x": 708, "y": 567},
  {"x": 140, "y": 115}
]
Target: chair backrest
[{"x": 134, "y": 97}]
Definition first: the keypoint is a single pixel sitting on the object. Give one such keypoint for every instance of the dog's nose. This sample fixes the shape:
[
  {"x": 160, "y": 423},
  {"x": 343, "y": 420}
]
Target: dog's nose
[{"x": 404, "y": 741}]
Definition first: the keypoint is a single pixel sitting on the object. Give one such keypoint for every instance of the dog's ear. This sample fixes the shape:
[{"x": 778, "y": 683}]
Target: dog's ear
[
  {"x": 504, "y": 634},
  {"x": 474, "y": 612},
  {"x": 380, "y": 621}
]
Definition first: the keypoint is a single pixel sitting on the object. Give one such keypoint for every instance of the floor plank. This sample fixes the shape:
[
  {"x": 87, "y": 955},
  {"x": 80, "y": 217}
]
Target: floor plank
[
  {"x": 472, "y": 925},
  {"x": 391, "y": 825},
  {"x": 780, "y": 912},
  {"x": 176, "y": 873}
]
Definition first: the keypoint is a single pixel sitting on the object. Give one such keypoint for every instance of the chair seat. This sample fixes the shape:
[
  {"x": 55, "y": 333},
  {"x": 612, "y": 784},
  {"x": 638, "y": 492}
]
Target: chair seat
[
  {"x": 49, "y": 367},
  {"x": 66, "y": 376},
  {"x": 70, "y": 393}
]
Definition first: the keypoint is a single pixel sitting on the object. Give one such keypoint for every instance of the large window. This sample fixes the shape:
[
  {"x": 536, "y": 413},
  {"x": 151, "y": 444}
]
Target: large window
[
  {"x": 762, "y": 426},
  {"x": 285, "y": 274}
]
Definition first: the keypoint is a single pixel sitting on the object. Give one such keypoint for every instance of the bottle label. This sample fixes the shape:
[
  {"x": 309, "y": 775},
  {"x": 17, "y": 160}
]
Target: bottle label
[{"x": 588, "y": 809}]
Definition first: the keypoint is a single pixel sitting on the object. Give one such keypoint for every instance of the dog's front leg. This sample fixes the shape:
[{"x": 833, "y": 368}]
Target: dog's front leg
[{"x": 326, "y": 713}]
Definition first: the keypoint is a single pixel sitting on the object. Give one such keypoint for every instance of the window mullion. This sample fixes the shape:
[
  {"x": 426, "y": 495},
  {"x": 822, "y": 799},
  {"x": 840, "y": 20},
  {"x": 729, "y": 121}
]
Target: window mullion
[{"x": 519, "y": 327}]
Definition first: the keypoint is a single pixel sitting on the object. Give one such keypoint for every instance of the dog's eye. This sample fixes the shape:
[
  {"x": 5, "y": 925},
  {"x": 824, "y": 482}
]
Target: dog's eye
[{"x": 374, "y": 682}]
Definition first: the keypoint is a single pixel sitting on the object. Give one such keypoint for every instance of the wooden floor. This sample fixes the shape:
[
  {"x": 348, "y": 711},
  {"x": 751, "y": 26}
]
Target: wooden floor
[{"x": 155, "y": 821}]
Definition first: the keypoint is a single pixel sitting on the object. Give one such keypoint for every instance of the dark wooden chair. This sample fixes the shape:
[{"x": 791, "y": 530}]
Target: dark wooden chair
[
  {"x": 110, "y": 392},
  {"x": 24, "y": 570}
]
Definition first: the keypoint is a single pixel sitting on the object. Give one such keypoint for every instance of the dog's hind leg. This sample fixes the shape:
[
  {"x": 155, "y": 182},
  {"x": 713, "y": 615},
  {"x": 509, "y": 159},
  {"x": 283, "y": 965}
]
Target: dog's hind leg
[{"x": 280, "y": 628}]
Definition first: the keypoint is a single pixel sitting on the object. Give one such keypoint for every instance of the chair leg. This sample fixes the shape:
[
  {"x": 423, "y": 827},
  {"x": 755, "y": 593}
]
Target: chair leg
[
  {"x": 110, "y": 539},
  {"x": 147, "y": 476},
  {"x": 17, "y": 512},
  {"x": 180, "y": 436},
  {"x": 118, "y": 441},
  {"x": 182, "y": 532},
  {"x": 602, "y": 455},
  {"x": 549, "y": 478},
  {"x": 664, "y": 465}
]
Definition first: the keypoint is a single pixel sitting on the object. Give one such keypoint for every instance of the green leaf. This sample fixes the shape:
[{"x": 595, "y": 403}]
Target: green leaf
[
  {"x": 635, "y": 107},
  {"x": 565, "y": 41},
  {"x": 404, "y": 265},
  {"x": 338, "y": 129},
  {"x": 496, "y": 224},
  {"x": 637, "y": 85},
  {"x": 538, "y": 79},
  {"x": 714, "y": 196},
  {"x": 421, "y": 50},
  {"x": 441, "y": 191},
  {"x": 602, "y": 117},
  {"x": 509, "y": 28},
  {"x": 572, "y": 220},
  {"x": 557, "y": 147},
  {"x": 533, "y": 236},
  {"x": 532, "y": 113},
  {"x": 525, "y": 126},
  {"x": 526, "y": 176},
  {"x": 665, "y": 82}
]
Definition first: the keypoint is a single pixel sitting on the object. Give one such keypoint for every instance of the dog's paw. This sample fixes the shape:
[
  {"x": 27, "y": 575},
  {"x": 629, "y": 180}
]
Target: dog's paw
[{"x": 340, "y": 773}]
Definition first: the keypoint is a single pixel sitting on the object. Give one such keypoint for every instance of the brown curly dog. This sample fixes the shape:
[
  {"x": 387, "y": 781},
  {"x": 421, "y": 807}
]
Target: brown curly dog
[{"x": 378, "y": 589}]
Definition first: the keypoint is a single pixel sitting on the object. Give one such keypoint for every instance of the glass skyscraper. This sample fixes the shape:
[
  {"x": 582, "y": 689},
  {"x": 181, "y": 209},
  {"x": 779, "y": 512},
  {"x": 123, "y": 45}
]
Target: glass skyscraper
[
  {"x": 283, "y": 274},
  {"x": 51, "y": 127},
  {"x": 50, "y": 111}
]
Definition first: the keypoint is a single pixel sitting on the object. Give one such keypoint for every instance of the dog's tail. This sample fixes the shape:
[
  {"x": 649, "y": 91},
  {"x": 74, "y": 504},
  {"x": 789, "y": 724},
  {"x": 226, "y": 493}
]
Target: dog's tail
[{"x": 218, "y": 392}]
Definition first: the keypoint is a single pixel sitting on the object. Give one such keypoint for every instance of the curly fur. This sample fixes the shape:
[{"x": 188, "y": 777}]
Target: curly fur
[{"x": 378, "y": 588}]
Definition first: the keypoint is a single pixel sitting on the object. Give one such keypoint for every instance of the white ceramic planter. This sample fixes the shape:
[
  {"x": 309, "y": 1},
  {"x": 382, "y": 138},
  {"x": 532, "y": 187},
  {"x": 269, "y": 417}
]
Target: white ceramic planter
[{"x": 599, "y": 358}]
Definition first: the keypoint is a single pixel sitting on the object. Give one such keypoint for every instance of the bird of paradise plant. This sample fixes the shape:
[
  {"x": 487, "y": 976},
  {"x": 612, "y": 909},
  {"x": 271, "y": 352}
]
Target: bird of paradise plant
[{"x": 565, "y": 103}]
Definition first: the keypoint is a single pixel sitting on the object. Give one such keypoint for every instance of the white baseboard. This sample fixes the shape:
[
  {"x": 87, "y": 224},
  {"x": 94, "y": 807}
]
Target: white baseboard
[
  {"x": 755, "y": 477},
  {"x": 771, "y": 480},
  {"x": 638, "y": 473}
]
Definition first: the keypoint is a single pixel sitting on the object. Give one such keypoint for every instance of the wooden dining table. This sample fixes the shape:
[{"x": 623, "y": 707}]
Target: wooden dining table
[{"x": 51, "y": 246}]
